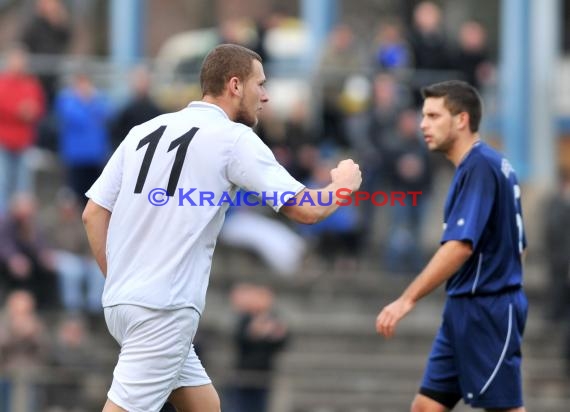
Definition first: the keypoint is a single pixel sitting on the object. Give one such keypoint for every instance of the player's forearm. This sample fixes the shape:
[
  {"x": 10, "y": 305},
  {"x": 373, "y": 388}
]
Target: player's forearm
[
  {"x": 446, "y": 262},
  {"x": 96, "y": 220},
  {"x": 310, "y": 206},
  {"x": 313, "y": 205},
  {"x": 327, "y": 200}
]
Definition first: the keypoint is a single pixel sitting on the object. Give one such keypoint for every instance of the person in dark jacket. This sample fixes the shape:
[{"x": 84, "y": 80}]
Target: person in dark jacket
[
  {"x": 557, "y": 247},
  {"x": 260, "y": 336},
  {"x": 138, "y": 109},
  {"x": 48, "y": 33},
  {"x": 26, "y": 261},
  {"x": 408, "y": 170}
]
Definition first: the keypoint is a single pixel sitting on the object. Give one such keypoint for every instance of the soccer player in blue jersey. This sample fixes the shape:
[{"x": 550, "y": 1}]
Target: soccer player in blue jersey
[{"x": 476, "y": 354}]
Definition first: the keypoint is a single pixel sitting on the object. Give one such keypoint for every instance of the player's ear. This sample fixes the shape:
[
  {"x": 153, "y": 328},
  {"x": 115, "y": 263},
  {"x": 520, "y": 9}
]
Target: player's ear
[
  {"x": 236, "y": 86},
  {"x": 463, "y": 120}
]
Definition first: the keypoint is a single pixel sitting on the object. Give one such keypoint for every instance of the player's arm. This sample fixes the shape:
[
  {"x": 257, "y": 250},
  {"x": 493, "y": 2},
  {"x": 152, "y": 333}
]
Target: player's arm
[
  {"x": 445, "y": 263},
  {"x": 96, "y": 220},
  {"x": 311, "y": 212},
  {"x": 253, "y": 166},
  {"x": 346, "y": 175}
]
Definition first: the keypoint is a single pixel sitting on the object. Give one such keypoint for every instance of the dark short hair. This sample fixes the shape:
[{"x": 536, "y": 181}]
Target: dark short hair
[
  {"x": 224, "y": 62},
  {"x": 459, "y": 96}
]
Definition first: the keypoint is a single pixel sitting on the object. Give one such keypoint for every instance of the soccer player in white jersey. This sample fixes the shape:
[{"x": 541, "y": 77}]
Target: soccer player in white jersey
[{"x": 157, "y": 259}]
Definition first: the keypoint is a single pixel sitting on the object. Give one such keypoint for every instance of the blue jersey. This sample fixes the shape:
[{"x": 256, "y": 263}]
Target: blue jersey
[{"x": 483, "y": 207}]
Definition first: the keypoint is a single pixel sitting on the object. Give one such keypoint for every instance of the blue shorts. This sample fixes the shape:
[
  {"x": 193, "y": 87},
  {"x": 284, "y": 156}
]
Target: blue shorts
[{"x": 476, "y": 354}]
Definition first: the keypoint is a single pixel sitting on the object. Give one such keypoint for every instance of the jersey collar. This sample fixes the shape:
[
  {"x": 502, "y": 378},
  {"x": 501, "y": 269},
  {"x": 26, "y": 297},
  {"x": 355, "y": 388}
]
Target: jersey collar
[
  {"x": 476, "y": 144},
  {"x": 204, "y": 105}
]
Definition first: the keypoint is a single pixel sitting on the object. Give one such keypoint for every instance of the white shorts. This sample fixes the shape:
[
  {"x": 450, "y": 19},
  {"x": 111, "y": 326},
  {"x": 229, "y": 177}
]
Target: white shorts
[{"x": 157, "y": 355}]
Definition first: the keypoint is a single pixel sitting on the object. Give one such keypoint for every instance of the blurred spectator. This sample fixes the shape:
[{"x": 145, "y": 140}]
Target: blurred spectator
[
  {"x": 306, "y": 156},
  {"x": 21, "y": 106},
  {"x": 280, "y": 248},
  {"x": 557, "y": 253},
  {"x": 392, "y": 51},
  {"x": 271, "y": 130},
  {"x": 430, "y": 48},
  {"x": 471, "y": 58},
  {"x": 369, "y": 136},
  {"x": 291, "y": 140},
  {"x": 259, "y": 338},
  {"x": 297, "y": 129},
  {"x": 557, "y": 248},
  {"x": 429, "y": 45},
  {"x": 49, "y": 33},
  {"x": 380, "y": 121},
  {"x": 301, "y": 139},
  {"x": 247, "y": 32},
  {"x": 342, "y": 57},
  {"x": 25, "y": 260},
  {"x": 238, "y": 31},
  {"x": 80, "y": 279},
  {"x": 82, "y": 113},
  {"x": 23, "y": 344},
  {"x": 140, "y": 107},
  {"x": 260, "y": 26},
  {"x": 408, "y": 170},
  {"x": 72, "y": 356}
]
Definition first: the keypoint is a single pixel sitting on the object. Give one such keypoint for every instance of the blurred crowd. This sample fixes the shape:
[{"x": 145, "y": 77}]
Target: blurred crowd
[
  {"x": 60, "y": 356},
  {"x": 369, "y": 106}
]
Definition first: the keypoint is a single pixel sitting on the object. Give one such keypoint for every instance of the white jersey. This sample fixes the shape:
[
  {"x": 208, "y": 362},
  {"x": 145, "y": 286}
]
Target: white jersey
[{"x": 159, "y": 255}]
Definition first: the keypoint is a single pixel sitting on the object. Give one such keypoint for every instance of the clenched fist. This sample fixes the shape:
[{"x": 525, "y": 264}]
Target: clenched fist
[{"x": 347, "y": 175}]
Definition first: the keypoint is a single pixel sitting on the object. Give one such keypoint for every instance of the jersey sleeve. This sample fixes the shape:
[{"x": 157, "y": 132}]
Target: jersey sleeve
[
  {"x": 253, "y": 167},
  {"x": 472, "y": 206},
  {"x": 106, "y": 188}
]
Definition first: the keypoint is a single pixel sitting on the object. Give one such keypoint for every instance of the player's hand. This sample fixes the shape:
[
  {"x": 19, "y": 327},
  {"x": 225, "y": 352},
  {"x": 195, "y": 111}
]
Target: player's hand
[
  {"x": 389, "y": 317},
  {"x": 347, "y": 175}
]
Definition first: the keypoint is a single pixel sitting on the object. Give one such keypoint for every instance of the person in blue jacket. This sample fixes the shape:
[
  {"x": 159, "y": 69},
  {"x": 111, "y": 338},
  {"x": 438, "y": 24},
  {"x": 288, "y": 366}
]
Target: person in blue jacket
[{"x": 84, "y": 147}]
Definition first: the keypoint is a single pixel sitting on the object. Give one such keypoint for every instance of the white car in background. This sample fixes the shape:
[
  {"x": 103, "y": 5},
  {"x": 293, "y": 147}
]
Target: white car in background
[{"x": 178, "y": 62}]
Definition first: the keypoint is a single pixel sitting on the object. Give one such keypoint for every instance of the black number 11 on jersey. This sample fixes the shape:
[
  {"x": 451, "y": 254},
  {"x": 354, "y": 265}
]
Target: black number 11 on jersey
[{"x": 152, "y": 140}]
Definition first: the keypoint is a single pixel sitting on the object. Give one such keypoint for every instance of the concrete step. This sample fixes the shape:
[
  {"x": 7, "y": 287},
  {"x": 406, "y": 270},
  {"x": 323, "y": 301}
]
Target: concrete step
[
  {"x": 335, "y": 361},
  {"x": 395, "y": 403}
]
